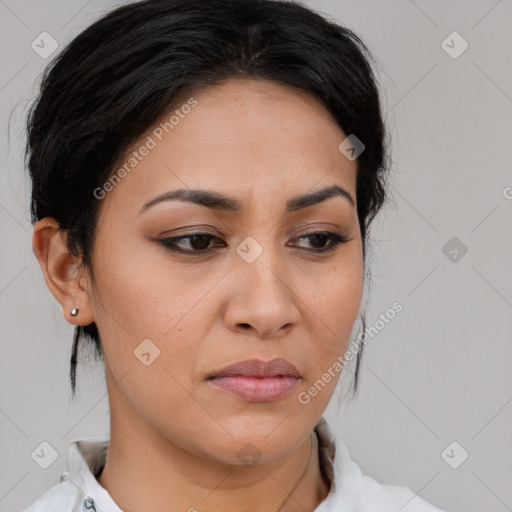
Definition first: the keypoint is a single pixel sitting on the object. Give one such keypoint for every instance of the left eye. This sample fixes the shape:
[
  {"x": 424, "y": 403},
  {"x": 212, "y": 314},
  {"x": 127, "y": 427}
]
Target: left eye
[
  {"x": 200, "y": 242},
  {"x": 325, "y": 236}
]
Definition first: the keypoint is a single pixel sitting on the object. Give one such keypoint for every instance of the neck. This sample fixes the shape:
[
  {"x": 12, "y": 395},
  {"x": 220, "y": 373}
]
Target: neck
[
  {"x": 144, "y": 471},
  {"x": 311, "y": 489}
]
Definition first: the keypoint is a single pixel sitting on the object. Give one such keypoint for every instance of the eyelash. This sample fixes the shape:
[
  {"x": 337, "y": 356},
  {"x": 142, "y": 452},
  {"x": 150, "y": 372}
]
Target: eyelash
[{"x": 170, "y": 243}]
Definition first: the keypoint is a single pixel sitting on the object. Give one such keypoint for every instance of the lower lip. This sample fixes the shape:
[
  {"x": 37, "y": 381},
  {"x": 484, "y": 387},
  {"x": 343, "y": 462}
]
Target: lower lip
[{"x": 257, "y": 389}]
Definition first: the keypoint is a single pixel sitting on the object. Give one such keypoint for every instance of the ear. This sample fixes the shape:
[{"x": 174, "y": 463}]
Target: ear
[{"x": 62, "y": 271}]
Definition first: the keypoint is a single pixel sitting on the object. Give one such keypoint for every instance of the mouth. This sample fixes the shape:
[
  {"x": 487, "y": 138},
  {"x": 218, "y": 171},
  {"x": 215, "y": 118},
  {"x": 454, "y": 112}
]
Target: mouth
[{"x": 257, "y": 381}]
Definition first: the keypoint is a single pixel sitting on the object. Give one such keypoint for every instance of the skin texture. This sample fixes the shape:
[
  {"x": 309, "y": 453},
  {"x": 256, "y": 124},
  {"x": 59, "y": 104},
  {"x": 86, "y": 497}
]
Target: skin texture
[{"x": 175, "y": 438}]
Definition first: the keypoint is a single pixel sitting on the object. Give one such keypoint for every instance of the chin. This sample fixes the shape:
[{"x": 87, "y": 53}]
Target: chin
[{"x": 257, "y": 446}]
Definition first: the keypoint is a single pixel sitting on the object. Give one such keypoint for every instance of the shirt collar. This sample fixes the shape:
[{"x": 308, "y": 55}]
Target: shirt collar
[
  {"x": 87, "y": 457},
  {"x": 343, "y": 473}
]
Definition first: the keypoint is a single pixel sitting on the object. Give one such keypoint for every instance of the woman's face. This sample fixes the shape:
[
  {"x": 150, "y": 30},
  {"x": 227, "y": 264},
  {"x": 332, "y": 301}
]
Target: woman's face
[{"x": 255, "y": 288}]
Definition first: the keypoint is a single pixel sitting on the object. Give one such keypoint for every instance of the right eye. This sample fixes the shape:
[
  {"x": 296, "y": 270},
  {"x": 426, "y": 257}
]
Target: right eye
[{"x": 199, "y": 242}]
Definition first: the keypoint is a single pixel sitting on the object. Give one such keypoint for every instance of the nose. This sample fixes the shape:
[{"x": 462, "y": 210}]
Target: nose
[{"x": 264, "y": 302}]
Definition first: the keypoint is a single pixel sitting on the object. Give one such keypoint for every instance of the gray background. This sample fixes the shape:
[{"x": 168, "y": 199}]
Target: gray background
[{"x": 439, "y": 372}]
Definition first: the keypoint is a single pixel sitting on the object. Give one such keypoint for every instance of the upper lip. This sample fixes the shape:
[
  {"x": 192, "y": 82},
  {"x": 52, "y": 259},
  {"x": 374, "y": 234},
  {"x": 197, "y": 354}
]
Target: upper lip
[{"x": 277, "y": 367}]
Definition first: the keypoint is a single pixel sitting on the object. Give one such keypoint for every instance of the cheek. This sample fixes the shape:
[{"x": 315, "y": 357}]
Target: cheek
[
  {"x": 333, "y": 301},
  {"x": 150, "y": 334},
  {"x": 140, "y": 298},
  {"x": 334, "y": 295},
  {"x": 135, "y": 293}
]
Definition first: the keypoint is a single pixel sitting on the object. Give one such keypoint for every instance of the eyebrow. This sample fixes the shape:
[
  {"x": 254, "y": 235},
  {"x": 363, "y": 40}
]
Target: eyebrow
[{"x": 217, "y": 201}]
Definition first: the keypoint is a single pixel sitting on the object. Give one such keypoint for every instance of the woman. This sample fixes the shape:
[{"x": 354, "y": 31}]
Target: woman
[{"x": 204, "y": 178}]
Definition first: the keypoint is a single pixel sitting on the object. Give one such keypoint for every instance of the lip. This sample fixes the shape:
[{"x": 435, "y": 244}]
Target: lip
[
  {"x": 258, "y": 381},
  {"x": 277, "y": 367}
]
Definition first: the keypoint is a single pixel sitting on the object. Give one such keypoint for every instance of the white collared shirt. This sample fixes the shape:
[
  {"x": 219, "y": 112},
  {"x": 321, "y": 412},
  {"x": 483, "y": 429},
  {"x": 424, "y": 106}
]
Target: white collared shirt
[{"x": 351, "y": 491}]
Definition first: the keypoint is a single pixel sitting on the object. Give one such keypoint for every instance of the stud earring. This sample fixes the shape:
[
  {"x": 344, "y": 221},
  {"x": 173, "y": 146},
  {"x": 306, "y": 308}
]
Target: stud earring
[{"x": 74, "y": 312}]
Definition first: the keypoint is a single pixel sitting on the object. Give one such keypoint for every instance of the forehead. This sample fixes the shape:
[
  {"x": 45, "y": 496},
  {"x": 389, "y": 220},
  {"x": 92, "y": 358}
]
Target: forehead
[{"x": 250, "y": 137}]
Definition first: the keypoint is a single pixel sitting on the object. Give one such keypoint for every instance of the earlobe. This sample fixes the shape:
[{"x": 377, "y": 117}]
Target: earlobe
[{"x": 61, "y": 271}]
